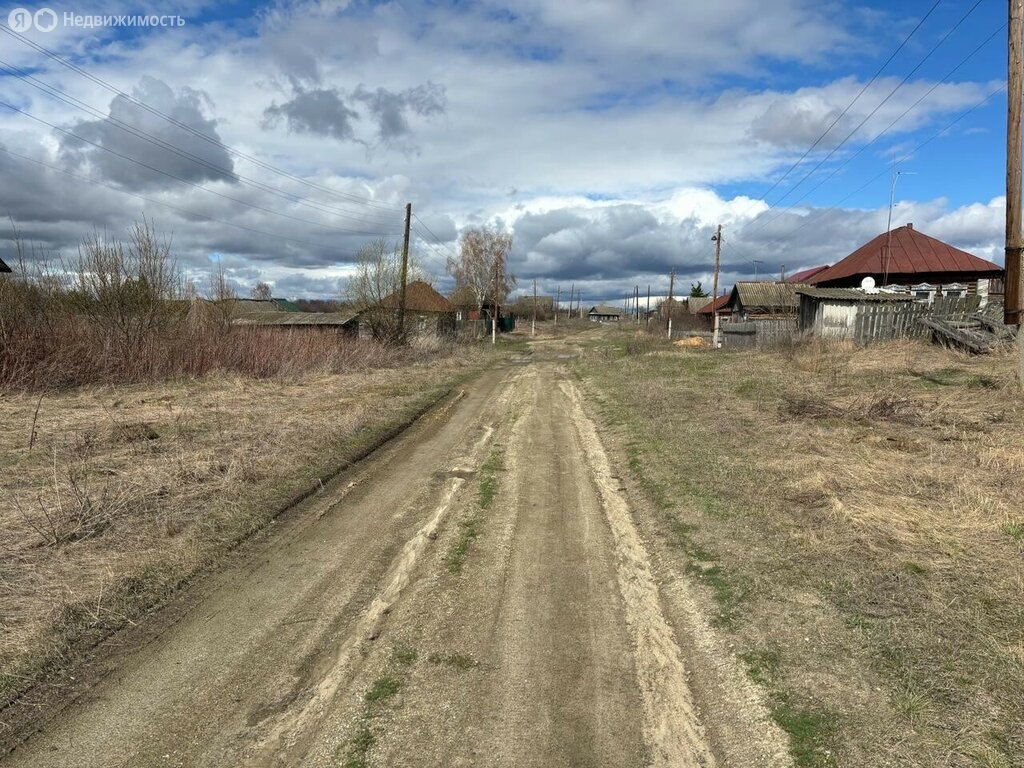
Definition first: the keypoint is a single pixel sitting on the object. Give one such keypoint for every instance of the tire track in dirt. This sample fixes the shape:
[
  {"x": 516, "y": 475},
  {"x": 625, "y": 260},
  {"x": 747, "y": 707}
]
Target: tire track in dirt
[{"x": 672, "y": 728}]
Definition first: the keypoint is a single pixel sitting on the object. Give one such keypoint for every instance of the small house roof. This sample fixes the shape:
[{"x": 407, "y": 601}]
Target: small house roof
[
  {"x": 295, "y": 318},
  {"x": 717, "y": 306},
  {"x": 420, "y": 296},
  {"x": 765, "y": 295},
  {"x": 604, "y": 309},
  {"x": 849, "y": 294},
  {"x": 241, "y": 307},
  {"x": 4, "y": 267},
  {"x": 911, "y": 253}
]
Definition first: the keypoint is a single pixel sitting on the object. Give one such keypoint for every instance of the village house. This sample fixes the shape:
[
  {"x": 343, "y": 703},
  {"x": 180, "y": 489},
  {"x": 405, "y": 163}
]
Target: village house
[
  {"x": 764, "y": 300},
  {"x": 427, "y": 312},
  {"x": 911, "y": 261},
  {"x": 719, "y": 306},
  {"x": 603, "y": 313}
]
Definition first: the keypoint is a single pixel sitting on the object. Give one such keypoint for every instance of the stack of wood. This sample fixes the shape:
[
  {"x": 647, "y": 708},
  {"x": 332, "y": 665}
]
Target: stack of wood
[{"x": 979, "y": 333}]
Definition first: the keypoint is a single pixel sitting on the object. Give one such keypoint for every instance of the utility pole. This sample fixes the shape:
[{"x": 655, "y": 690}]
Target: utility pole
[
  {"x": 1014, "y": 241},
  {"x": 671, "y": 285},
  {"x": 558, "y": 302},
  {"x": 533, "y": 326},
  {"x": 714, "y": 291},
  {"x": 782, "y": 275},
  {"x": 647, "y": 320},
  {"x": 636, "y": 302},
  {"x": 572, "y": 290},
  {"x": 405, "y": 272}
]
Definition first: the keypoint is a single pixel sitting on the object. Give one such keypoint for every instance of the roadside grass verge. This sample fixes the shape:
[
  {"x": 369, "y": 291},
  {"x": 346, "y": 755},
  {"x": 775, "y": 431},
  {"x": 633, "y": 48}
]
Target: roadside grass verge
[
  {"x": 854, "y": 515},
  {"x": 469, "y": 526},
  {"x": 114, "y": 497}
]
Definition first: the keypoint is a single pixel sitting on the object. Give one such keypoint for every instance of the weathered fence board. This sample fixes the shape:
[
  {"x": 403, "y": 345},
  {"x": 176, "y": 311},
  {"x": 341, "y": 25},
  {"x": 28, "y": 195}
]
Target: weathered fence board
[{"x": 884, "y": 321}]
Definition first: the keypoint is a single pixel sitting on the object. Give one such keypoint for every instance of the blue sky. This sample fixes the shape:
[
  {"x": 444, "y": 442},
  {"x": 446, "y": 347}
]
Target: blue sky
[{"x": 609, "y": 138}]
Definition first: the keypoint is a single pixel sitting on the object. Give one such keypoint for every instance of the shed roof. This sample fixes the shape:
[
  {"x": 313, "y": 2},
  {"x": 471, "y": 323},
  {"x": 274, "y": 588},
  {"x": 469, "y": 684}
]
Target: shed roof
[
  {"x": 850, "y": 294},
  {"x": 420, "y": 296},
  {"x": 4, "y": 267},
  {"x": 295, "y": 318},
  {"x": 912, "y": 253},
  {"x": 604, "y": 309},
  {"x": 766, "y": 295}
]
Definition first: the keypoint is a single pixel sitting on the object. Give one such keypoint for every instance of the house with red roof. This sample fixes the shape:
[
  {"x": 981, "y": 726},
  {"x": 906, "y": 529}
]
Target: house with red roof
[
  {"x": 805, "y": 275},
  {"x": 915, "y": 262}
]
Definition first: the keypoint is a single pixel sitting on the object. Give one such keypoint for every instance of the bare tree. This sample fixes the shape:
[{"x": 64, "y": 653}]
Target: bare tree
[
  {"x": 482, "y": 266},
  {"x": 378, "y": 275},
  {"x": 221, "y": 293},
  {"x": 261, "y": 291},
  {"x": 126, "y": 287}
]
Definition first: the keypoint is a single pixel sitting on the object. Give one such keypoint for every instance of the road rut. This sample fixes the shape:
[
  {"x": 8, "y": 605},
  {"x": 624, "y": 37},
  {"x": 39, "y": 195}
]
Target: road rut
[{"x": 551, "y": 647}]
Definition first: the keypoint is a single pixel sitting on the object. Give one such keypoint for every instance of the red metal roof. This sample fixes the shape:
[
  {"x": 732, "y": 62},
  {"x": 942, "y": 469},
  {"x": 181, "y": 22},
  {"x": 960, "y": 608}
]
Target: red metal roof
[
  {"x": 912, "y": 253},
  {"x": 806, "y": 275},
  {"x": 718, "y": 304}
]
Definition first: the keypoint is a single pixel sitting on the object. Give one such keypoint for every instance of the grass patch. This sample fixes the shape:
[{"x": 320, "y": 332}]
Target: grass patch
[
  {"x": 469, "y": 527},
  {"x": 383, "y": 688},
  {"x": 457, "y": 660},
  {"x": 855, "y": 510},
  {"x": 405, "y": 655}
]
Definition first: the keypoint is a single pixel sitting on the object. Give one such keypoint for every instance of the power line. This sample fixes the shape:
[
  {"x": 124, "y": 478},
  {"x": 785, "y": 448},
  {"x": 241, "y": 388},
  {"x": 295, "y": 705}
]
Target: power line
[
  {"x": 881, "y": 103},
  {"x": 854, "y": 156},
  {"x": 855, "y": 100},
  {"x": 184, "y": 126},
  {"x": 158, "y": 142},
  {"x": 822, "y": 212},
  {"x": 186, "y": 181}
]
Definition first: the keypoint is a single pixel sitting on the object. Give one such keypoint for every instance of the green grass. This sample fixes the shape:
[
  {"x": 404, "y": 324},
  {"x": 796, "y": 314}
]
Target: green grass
[
  {"x": 356, "y": 751},
  {"x": 383, "y": 688},
  {"x": 457, "y": 660},
  {"x": 405, "y": 655},
  {"x": 469, "y": 527}
]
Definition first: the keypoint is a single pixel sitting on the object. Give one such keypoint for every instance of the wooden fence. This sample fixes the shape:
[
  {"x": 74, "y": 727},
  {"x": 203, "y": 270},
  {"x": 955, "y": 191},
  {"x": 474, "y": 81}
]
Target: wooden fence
[
  {"x": 903, "y": 320},
  {"x": 757, "y": 333}
]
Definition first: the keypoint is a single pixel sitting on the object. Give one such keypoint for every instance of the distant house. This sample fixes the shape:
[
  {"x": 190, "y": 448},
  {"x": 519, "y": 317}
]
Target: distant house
[
  {"x": 762, "y": 301},
  {"x": 4, "y": 267},
  {"x": 603, "y": 313},
  {"x": 916, "y": 262},
  {"x": 426, "y": 310},
  {"x": 719, "y": 305}
]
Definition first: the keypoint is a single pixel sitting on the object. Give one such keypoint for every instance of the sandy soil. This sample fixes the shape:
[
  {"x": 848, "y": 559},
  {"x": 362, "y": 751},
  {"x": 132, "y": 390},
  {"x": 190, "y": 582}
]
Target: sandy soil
[{"x": 346, "y": 638}]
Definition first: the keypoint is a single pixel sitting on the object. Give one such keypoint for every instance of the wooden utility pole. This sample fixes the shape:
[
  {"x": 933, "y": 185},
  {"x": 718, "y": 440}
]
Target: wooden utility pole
[
  {"x": 405, "y": 271},
  {"x": 558, "y": 301},
  {"x": 533, "y": 326},
  {"x": 714, "y": 290},
  {"x": 671, "y": 285},
  {"x": 572, "y": 290},
  {"x": 1014, "y": 242},
  {"x": 636, "y": 302},
  {"x": 647, "y": 320}
]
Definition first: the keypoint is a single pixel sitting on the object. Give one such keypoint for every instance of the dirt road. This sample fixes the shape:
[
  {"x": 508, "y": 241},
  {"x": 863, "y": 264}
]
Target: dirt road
[{"x": 476, "y": 593}]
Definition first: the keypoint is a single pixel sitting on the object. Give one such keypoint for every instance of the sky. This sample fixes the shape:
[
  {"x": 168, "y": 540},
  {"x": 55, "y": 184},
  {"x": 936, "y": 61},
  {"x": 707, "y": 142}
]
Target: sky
[{"x": 609, "y": 137}]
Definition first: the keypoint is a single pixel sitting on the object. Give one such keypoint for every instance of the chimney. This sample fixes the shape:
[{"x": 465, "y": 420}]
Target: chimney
[{"x": 910, "y": 225}]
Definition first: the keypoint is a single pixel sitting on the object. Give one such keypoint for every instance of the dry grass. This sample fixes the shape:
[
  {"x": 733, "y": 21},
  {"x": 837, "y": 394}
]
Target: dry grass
[
  {"x": 111, "y": 496},
  {"x": 866, "y": 505}
]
